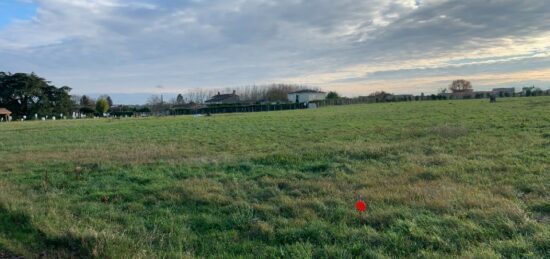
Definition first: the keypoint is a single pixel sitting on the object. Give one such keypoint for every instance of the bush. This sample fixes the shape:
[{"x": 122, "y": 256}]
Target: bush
[
  {"x": 144, "y": 109},
  {"x": 87, "y": 110},
  {"x": 332, "y": 96},
  {"x": 102, "y": 106},
  {"x": 122, "y": 114}
]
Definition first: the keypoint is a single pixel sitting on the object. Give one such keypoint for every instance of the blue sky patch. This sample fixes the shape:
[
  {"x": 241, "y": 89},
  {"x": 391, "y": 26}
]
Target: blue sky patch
[{"x": 11, "y": 10}]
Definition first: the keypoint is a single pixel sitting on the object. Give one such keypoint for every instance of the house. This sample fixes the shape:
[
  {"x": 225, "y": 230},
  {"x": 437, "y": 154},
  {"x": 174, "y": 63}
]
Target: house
[
  {"x": 504, "y": 91},
  {"x": 305, "y": 96},
  {"x": 5, "y": 114},
  {"x": 223, "y": 98}
]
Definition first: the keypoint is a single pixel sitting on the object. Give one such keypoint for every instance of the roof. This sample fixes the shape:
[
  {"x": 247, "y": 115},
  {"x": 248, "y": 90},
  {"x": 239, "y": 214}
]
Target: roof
[
  {"x": 504, "y": 89},
  {"x": 221, "y": 97},
  {"x": 4, "y": 111},
  {"x": 306, "y": 91}
]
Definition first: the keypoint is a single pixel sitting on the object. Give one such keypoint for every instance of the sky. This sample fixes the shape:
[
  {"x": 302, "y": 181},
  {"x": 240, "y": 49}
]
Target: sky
[{"x": 130, "y": 48}]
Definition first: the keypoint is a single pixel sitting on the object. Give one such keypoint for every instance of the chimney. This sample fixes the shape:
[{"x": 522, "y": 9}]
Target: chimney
[
  {"x": 234, "y": 92},
  {"x": 218, "y": 93}
]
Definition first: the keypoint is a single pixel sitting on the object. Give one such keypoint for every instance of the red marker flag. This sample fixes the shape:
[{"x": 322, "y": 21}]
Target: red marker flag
[{"x": 361, "y": 206}]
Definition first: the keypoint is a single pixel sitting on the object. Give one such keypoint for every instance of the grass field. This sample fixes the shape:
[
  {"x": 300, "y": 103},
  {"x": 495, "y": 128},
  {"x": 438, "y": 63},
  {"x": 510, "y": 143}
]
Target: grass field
[{"x": 441, "y": 178}]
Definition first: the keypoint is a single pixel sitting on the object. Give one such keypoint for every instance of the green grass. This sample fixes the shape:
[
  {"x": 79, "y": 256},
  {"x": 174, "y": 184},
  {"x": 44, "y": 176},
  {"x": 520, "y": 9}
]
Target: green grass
[{"x": 442, "y": 178}]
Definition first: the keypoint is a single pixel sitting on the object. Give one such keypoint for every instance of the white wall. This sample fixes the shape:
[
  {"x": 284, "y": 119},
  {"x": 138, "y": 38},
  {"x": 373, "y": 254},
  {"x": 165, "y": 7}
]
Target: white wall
[{"x": 306, "y": 97}]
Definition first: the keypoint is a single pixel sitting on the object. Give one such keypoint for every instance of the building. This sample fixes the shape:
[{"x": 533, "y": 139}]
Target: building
[
  {"x": 401, "y": 97},
  {"x": 482, "y": 94},
  {"x": 305, "y": 96},
  {"x": 5, "y": 114},
  {"x": 224, "y": 98},
  {"x": 504, "y": 91}
]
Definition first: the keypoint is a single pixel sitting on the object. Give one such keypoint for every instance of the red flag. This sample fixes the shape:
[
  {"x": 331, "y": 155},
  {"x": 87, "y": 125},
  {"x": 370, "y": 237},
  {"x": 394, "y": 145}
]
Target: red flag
[{"x": 361, "y": 206}]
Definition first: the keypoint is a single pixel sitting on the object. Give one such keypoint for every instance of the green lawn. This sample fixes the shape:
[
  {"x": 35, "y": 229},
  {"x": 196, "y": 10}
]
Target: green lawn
[{"x": 441, "y": 178}]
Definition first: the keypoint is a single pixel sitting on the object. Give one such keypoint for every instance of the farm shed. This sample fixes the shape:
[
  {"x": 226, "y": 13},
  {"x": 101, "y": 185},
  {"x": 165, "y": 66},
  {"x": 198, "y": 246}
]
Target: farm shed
[
  {"x": 5, "y": 114},
  {"x": 304, "y": 96}
]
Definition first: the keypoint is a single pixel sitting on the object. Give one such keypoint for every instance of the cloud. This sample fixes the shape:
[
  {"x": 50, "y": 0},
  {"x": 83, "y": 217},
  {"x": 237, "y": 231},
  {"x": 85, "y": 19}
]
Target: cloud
[{"x": 132, "y": 46}]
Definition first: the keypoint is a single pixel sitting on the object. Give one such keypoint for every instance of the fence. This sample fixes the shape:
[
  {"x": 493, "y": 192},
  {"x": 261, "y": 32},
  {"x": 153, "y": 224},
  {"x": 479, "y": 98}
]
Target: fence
[
  {"x": 238, "y": 108},
  {"x": 233, "y": 108}
]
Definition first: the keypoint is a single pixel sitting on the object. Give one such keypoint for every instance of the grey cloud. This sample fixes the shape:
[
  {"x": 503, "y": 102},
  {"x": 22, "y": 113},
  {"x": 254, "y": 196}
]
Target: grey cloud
[
  {"x": 467, "y": 24},
  {"x": 115, "y": 45}
]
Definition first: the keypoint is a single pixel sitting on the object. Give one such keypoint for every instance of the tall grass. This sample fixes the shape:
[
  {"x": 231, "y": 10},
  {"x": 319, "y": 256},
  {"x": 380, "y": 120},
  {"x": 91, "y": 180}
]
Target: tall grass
[{"x": 444, "y": 178}]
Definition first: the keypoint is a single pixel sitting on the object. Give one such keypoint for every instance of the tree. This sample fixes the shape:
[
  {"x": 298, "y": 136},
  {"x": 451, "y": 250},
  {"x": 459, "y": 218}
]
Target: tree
[
  {"x": 28, "y": 94},
  {"x": 332, "y": 95},
  {"x": 86, "y": 101},
  {"x": 102, "y": 106},
  {"x": 87, "y": 110},
  {"x": 279, "y": 92},
  {"x": 460, "y": 86},
  {"x": 107, "y": 98},
  {"x": 60, "y": 99},
  {"x": 180, "y": 100},
  {"x": 198, "y": 95},
  {"x": 156, "y": 104}
]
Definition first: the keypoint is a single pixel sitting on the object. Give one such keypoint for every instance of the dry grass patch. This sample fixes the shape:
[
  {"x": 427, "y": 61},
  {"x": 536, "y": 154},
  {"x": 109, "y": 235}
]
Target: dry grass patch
[{"x": 449, "y": 131}]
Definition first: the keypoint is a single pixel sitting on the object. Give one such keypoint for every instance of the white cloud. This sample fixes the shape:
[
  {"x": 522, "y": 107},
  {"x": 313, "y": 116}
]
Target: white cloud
[{"x": 132, "y": 46}]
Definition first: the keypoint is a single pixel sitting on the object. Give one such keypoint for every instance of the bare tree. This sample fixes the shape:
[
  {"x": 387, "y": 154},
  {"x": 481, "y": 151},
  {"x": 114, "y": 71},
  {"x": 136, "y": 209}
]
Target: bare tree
[
  {"x": 460, "y": 86},
  {"x": 251, "y": 93},
  {"x": 156, "y": 104},
  {"x": 86, "y": 101},
  {"x": 199, "y": 95},
  {"x": 379, "y": 94},
  {"x": 279, "y": 92}
]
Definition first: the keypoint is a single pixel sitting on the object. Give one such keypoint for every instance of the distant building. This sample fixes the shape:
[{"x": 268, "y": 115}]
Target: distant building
[
  {"x": 504, "y": 91},
  {"x": 5, "y": 114},
  {"x": 305, "y": 96},
  {"x": 401, "y": 97},
  {"x": 482, "y": 94},
  {"x": 224, "y": 98}
]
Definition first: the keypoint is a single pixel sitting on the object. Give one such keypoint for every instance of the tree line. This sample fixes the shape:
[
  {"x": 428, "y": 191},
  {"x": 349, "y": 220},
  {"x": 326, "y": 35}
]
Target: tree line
[
  {"x": 28, "y": 95},
  {"x": 88, "y": 105},
  {"x": 253, "y": 93}
]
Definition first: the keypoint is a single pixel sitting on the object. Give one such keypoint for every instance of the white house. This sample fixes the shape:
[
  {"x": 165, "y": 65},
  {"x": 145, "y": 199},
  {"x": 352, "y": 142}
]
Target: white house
[
  {"x": 504, "y": 91},
  {"x": 305, "y": 96}
]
